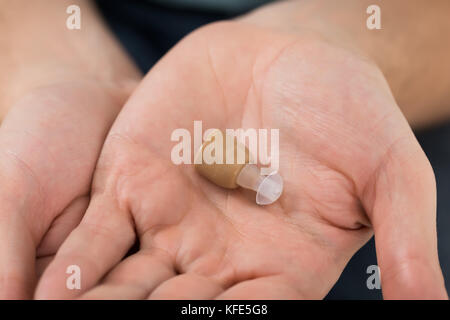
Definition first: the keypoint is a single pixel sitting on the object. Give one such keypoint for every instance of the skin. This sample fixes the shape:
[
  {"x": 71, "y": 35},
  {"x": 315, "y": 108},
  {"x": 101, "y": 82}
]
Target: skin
[
  {"x": 59, "y": 108},
  {"x": 350, "y": 163},
  {"x": 409, "y": 48},
  {"x": 350, "y": 167}
]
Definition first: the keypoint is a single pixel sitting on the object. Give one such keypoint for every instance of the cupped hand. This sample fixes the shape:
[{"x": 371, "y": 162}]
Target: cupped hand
[
  {"x": 350, "y": 162},
  {"x": 49, "y": 144}
]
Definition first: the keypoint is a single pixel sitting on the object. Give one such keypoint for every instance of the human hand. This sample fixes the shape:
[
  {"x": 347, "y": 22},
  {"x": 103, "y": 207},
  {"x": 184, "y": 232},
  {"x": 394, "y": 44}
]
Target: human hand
[
  {"x": 60, "y": 99},
  {"x": 49, "y": 144},
  {"x": 350, "y": 164}
]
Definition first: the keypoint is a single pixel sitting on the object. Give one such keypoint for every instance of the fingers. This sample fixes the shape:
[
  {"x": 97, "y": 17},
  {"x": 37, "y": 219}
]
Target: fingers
[
  {"x": 18, "y": 231},
  {"x": 20, "y": 204},
  {"x": 58, "y": 232},
  {"x": 187, "y": 286},
  {"x": 42, "y": 264},
  {"x": 95, "y": 246},
  {"x": 273, "y": 287},
  {"x": 401, "y": 202},
  {"x": 17, "y": 255},
  {"x": 62, "y": 226},
  {"x": 135, "y": 277}
]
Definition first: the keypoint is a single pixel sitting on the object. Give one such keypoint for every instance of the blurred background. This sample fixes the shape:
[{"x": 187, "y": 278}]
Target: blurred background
[{"x": 149, "y": 28}]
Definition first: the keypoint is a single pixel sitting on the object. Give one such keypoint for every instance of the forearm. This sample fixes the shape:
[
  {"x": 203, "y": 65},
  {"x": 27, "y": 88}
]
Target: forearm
[
  {"x": 38, "y": 49},
  {"x": 411, "y": 49}
]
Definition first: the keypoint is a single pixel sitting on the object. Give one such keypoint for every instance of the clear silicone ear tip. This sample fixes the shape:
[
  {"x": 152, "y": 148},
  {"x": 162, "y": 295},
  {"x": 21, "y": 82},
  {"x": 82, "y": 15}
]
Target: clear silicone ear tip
[{"x": 270, "y": 189}]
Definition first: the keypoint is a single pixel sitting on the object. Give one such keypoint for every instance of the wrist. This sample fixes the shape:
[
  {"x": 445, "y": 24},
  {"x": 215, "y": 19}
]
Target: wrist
[
  {"x": 118, "y": 89},
  {"x": 305, "y": 18},
  {"x": 408, "y": 49},
  {"x": 43, "y": 52}
]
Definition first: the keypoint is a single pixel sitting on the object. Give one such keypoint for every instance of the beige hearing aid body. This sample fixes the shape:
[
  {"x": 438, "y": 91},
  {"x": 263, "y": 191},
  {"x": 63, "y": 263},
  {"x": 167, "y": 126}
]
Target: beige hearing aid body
[{"x": 231, "y": 168}]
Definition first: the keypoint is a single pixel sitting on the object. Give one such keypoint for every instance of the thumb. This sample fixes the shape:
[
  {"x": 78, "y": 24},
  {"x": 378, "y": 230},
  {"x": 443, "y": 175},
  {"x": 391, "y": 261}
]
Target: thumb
[{"x": 400, "y": 200}]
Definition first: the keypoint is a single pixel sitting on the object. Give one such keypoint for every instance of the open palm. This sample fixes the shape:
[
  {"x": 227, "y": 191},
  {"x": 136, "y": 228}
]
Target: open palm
[{"x": 349, "y": 160}]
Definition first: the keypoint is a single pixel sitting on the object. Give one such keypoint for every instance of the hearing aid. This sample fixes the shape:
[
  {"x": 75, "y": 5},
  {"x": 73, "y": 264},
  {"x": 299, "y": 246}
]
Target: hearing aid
[{"x": 229, "y": 166}]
